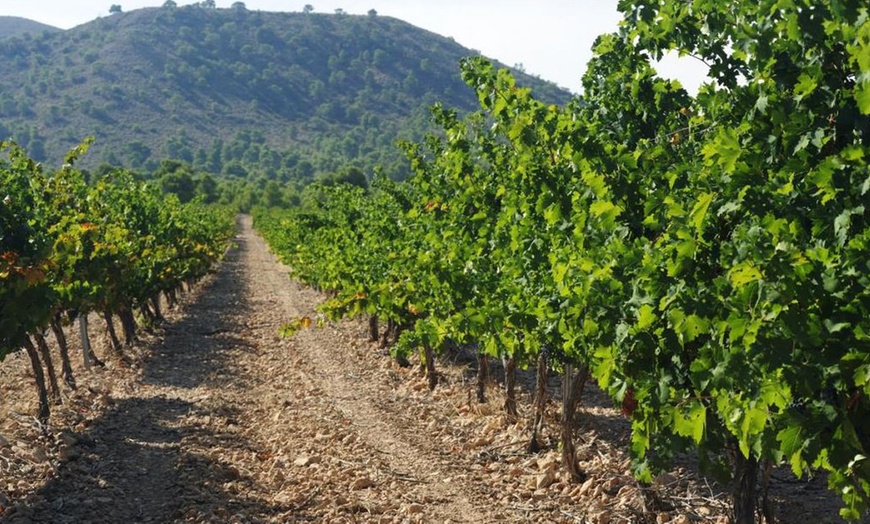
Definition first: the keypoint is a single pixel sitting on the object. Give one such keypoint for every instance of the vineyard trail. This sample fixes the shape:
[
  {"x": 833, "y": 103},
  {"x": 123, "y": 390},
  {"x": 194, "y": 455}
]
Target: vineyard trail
[
  {"x": 227, "y": 422},
  {"x": 216, "y": 418}
]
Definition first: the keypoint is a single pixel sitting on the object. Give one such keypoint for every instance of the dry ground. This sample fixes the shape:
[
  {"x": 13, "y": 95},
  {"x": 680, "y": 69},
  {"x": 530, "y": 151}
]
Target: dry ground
[{"x": 214, "y": 418}]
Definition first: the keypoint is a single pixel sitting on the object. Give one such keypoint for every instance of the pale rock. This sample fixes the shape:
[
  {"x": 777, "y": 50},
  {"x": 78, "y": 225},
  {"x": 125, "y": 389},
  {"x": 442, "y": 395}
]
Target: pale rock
[
  {"x": 612, "y": 485},
  {"x": 548, "y": 463},
  {"x": 602, "y": 517},
  {"x": 414, "y": 509},
  {"x": 283, "y": 498},
  {"x": 544, "y": 480},
  {"x": 586, "y": 487},
  {"x": 531, "y": 482},
  {"x": 478, "y": 443},
  {"x": 306, "y": 460},
  {"x": 493, "y": 426},
  {"x": 362, "y": 483},
  {"x": 595, "y": 508},
  {"x": 625, "y": 492},
  {"x": 681, "y": 519}
]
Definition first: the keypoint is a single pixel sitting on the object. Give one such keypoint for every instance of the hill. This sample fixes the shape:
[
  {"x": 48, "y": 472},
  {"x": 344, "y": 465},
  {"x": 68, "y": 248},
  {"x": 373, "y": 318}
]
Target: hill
[
  {"x": 11, "y": 26},
  {"x": 233, "y": 91}
]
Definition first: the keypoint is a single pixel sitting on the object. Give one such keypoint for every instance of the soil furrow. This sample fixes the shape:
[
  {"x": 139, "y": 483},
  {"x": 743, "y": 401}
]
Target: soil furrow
[{"x": 215, "y": 418}]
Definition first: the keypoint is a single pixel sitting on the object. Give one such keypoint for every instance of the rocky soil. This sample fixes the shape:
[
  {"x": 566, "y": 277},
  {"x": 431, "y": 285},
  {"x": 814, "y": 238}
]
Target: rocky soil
[{"x": 215, "y": 418}]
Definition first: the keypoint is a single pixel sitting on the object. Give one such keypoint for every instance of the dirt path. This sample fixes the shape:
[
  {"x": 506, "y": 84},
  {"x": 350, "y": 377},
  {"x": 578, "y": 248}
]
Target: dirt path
[
  {"x": 218, "y": 419},
  {"x": 226, "y": 422}
]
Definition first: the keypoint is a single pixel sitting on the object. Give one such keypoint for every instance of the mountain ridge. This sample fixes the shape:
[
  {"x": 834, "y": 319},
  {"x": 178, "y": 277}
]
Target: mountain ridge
[
  {"x": 12, "y": 26},
  {"x": 190, "y": 82}
]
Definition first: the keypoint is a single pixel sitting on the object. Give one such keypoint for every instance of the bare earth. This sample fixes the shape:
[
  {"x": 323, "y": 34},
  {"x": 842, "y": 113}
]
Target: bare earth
[{"x": 214, "y": 418}]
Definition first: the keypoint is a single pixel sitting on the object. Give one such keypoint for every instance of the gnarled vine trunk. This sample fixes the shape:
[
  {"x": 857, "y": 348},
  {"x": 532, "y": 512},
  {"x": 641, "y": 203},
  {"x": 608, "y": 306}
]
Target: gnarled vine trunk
[
  {"x": 482, "y": 375},
  {"x": 42, "y": 345},
  {"x": 388, "y": 333},
  {"x": 373, "y": 328},
  {"x": 171, "y": 298},
  {"x": 766, "y": 506},
  {"x": 114, "y": 342},
  {"x": 44, "y": 409},
  {"x": 155, "y": 306},
  {"x": 743, "y": 491},
  {"x": 88, "y": 356},
  {"x": 63, "y": 348},
  {"x": 510, "y": 388},
  {"x": 148, "y": 315},
  {"x": 541, "y": 377},
  {"x": 573, "y": 384},
  {"x": 128, "y": 324},
  {"x": 429, "y": 355}
]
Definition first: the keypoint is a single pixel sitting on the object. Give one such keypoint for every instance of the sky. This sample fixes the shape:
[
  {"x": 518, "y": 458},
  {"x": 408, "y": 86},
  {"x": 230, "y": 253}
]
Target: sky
[{"x": 549, "y": 38}]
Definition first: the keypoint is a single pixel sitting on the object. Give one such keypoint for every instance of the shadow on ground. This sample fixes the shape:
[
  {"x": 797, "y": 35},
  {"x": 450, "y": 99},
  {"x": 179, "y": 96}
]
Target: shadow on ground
[{"x": 134, "y": 464}]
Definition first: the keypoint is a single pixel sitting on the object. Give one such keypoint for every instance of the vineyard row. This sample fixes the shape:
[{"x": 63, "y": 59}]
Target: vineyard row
[
  {"x": 114, "y": 248},
  {"x": 705, "y": 259}
]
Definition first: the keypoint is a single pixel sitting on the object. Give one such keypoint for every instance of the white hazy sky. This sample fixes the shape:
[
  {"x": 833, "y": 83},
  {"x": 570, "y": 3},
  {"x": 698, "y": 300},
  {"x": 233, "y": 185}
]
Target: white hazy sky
[{"x": 550, "y": 38}]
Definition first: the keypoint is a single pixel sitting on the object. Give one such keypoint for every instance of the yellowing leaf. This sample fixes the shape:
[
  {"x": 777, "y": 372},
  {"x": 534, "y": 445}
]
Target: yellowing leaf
[
  {"x": 691, "y": 423},
  {"x": 600, "y": 207},
  {"x": 645, "y": 317},
  {"x": 862, "y": 96},
  {"x": 699, "y": 211},
  {"x": 743, "y": 274}
]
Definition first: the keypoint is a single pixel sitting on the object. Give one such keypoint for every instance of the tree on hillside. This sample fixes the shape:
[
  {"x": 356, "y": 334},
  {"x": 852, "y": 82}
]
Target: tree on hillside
[
  {"x": 308, "y": 8},
  {"x": 207, "y": 188},
  {"x": 115, "y": 8},
  {"x": 351, "y": 175},
  {"x": 208, "y": 4},
  {"x": 170, "y": 4},
  {"x": 176, "y": 177},
  {"x": 239, "y": 6},
  {"x": 372, "y": 12},
  {"x": 136, "y": 153}
]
